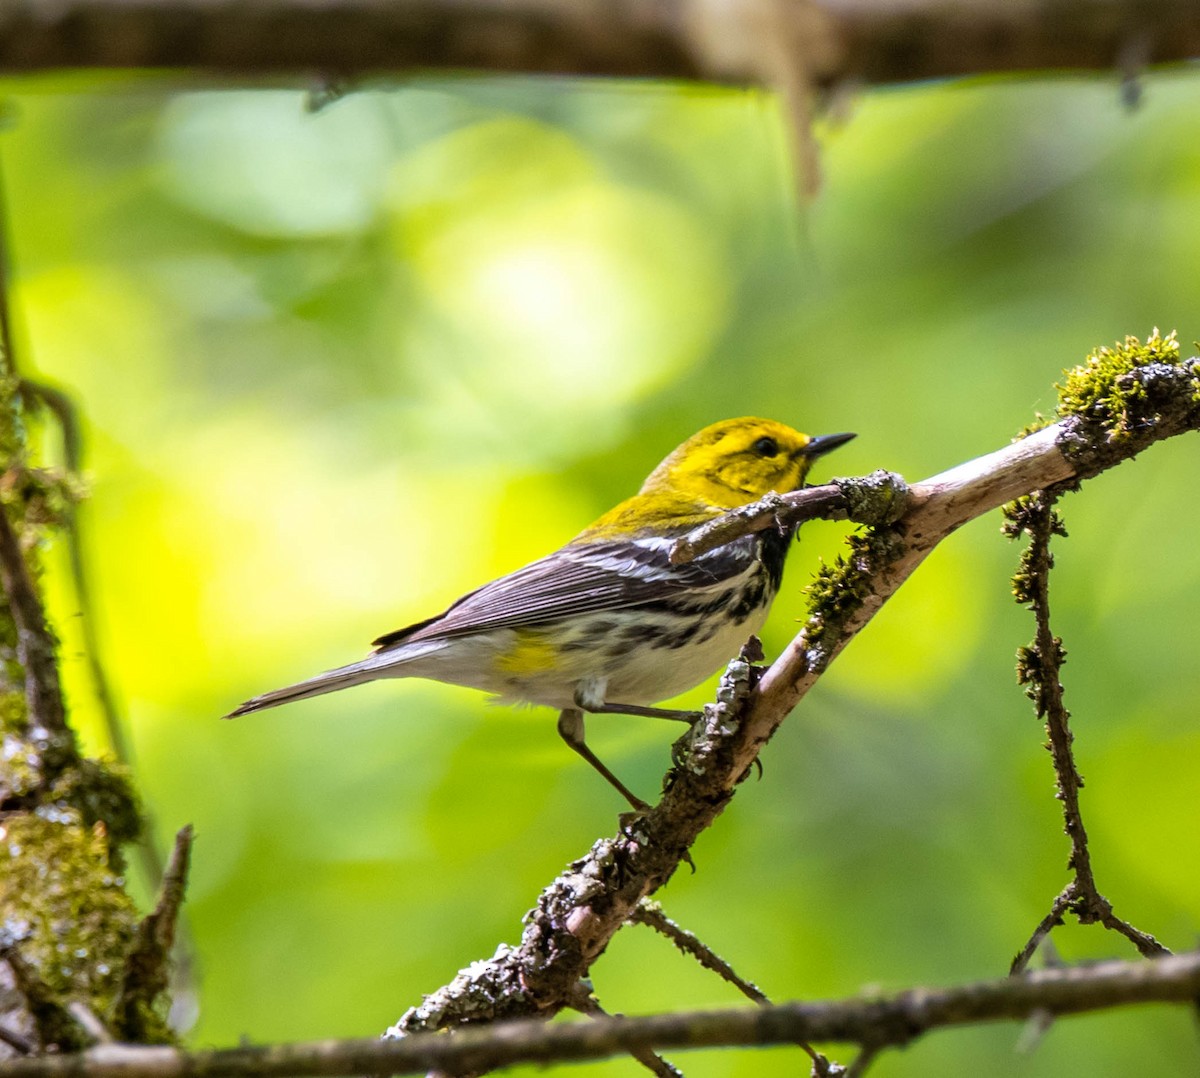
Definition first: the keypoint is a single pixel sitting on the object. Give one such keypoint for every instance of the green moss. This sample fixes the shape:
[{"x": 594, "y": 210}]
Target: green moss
[
  {"x": 64, "y": 909},
  {"x": 21, "y": 770},
  {"x": 1099, "y": 390},
  {"x": 838, "y": 591},
  {"x": 1022, "y": 517},
  {"x": 64, "y": 914},
  {"x": 140, "y": 1023},
  {"x": 1039, "y": 422},
  {"x": 12, "y": 432},
  {"x": 101, "y": 792},
  {"x": 49, "y": 497},
  {"x": 13, "y": 713}
]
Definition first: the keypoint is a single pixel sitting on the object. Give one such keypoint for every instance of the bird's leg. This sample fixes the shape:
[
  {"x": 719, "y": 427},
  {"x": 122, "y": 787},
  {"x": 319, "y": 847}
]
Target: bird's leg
[
  {"x": 589, "y": 697},
  {"x": 570, "y": 728},
  {"x": 646, "y": 712}
]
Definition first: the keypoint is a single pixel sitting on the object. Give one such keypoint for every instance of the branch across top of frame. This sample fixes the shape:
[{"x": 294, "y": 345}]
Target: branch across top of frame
[{"x": 873, "y": 41}]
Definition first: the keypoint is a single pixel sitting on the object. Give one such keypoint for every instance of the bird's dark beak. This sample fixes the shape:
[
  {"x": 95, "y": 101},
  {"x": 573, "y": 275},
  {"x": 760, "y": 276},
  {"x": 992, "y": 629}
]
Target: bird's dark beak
[{"x": 825, "y": 443}]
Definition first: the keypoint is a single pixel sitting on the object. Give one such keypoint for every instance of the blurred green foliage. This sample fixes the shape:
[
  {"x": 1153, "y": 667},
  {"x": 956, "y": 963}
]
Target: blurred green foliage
[{"x": 338, "y": 368}]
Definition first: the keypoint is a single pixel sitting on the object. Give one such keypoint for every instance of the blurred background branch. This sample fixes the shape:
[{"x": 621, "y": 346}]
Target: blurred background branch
[{"x": 873, "y": 41}]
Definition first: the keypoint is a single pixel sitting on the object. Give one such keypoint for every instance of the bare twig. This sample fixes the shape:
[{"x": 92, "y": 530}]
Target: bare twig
[
  {"x": 18, "y": 1042},
  {"x": 825, "y": 502},
  {"x": 52, "y": 1021},
  {"x": 35, "y": 644},
  {"x": 586, "y": 1003},
  {"x": 147, "y": 970},
  {"x": 864, "y": 1059},
  {"x": 1039, "y": 668},
  {"x": 651, "y": 914},
  {"x": 883, "y": 1020},
  {"x": 71, "y": 433},
  {"x": 88, "y": 1021},
  {"x": 1052, "y": 920}
]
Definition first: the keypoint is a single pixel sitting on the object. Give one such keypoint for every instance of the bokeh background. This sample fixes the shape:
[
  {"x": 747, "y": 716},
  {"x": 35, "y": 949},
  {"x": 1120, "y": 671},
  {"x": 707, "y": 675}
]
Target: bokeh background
[{"x": 337, "y": 368}]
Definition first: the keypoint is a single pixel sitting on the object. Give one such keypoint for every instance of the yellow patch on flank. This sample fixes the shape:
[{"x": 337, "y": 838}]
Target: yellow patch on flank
[{"x": 533, "y": 652}]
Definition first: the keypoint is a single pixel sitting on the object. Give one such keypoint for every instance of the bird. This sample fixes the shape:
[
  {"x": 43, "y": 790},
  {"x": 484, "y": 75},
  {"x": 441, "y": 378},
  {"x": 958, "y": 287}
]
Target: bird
[{"x": 607, "y": 624}]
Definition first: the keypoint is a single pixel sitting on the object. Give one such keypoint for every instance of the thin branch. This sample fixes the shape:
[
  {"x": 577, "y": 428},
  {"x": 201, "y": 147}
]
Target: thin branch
[
  {"x": 18, "y": 1042},
  {"x": 651, "y": 914},
  {"x": 51, "y": 1020},
  {"x": 8, "y": 357},
  {"x": 885, "y": 1020},
  {"x": 71, "y": 434},
  {"x": 89, "y": 1022},
  {"x": 586, "y": 1003},
  {"x": 826, "y": 502},
  {"x": 147, "y": 966},
  {"x": 1052, "y": 920},
  {"x": 863, "y": 1061},
  {"x": 36, "y": 650},
  {"x": 1039, "y": 668},
  {"x": 872, "y": 41},
  {"x": 70, "y": 429},
  {"x": 876, "y": 499},
  {"x": 35, "y": 643}
]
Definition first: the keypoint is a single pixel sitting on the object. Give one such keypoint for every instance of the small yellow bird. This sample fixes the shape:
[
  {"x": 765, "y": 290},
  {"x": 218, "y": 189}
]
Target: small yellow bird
[{"x": 607, "y": 624}]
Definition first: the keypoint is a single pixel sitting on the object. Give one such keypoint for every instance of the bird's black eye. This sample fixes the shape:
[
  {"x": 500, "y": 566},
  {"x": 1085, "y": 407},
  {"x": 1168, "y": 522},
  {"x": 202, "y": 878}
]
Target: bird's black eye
[{"x": 766, "y": 447}]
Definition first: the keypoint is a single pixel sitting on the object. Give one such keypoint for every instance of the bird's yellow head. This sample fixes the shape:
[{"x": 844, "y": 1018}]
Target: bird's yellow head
[
  {"x": 737, "y": 461},
  {"x": 728, "y": 464}
]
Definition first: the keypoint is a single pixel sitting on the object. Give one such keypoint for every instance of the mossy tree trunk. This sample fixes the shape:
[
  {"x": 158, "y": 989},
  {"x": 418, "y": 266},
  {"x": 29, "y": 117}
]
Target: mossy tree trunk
[{"x": 76, "y": 965}]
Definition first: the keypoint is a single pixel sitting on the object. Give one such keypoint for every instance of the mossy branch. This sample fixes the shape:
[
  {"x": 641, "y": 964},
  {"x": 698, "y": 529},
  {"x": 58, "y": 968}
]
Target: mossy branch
[
  {"x": 36, "y": 653},
  {"x": 67, "y": 924},
  {"x": 1121, "y": 395}
]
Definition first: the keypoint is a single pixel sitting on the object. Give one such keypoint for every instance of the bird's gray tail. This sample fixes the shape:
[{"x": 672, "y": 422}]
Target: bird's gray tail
[{"x": 381, "y": 664}]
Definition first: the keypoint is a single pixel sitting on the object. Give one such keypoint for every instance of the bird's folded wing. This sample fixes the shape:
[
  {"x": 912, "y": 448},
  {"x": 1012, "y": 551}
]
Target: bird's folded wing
[{"x": 582, "y": 579}]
